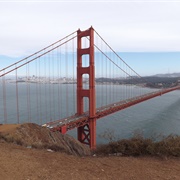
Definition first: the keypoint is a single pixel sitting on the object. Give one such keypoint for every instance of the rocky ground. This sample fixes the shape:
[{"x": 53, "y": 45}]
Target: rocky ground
[{"x": 26, "y": 163}]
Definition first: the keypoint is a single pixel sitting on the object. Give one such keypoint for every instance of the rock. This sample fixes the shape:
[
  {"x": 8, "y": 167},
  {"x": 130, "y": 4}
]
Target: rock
[{"x": 50, "y": 150}]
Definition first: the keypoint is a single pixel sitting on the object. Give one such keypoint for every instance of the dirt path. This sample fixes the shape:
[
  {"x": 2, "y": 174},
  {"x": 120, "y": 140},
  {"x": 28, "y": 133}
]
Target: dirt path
[{"x": 20, "y": 163}]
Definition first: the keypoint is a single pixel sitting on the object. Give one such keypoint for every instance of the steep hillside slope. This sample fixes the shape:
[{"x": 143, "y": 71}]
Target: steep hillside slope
[{"x": 33, "y": 135}]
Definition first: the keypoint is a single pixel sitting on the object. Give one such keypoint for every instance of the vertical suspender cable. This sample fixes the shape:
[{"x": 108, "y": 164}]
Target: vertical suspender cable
[
  {"x": 37, "y": 94},
  {"x": 113, "y": 80},
  {"x": 101, "y": 59},
  {"x": 59, "y": 84},
  {"x": 58, "y": 103},
  {"x": 4, "y": 99},
  {"x": 27, "y": 90},
  {"x": 17, "y": 99},
  {"x": 102, "y": 67},
  {"x": 106, "y": 79},
  {"x": 112, "y": 69},
  {"x": 29, "y": 95},
  {"x": 53, "y": 85},
  {"x": 40, "y": 94},
  {"x": 45, "y": 88},
  {"x": 73, "y": 78},
  {"x": 66, "y": 59},
  {"x": 116, "y": 82},
  {"x": 97, "y": 61},
  {"x": 110, "y": 76},
  {"x": 50, "y": 101}
]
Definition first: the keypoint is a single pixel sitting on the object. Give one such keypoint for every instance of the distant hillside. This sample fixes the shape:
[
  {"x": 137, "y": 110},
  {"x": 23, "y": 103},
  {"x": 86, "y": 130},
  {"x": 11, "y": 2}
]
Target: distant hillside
[
  {"x": 168, "y": 75},
  {"x": 156, "y": 81}
]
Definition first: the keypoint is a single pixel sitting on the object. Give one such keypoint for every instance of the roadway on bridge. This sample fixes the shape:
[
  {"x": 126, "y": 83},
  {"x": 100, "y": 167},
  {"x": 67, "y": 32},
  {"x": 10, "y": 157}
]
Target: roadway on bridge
[{"x": 80, "y": 120}]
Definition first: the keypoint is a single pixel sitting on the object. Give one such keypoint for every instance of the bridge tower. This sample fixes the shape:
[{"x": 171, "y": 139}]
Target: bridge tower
[{"x": 87, "y": 132}]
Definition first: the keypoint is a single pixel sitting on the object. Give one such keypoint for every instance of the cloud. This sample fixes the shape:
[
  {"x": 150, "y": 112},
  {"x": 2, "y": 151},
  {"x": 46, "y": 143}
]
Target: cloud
[{"x": 127, "y": 26}]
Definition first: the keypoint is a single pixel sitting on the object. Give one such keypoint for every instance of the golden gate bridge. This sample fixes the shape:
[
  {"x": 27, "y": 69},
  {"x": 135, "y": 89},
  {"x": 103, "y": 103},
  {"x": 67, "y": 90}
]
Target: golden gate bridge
[{"x": 56, "y": 87}]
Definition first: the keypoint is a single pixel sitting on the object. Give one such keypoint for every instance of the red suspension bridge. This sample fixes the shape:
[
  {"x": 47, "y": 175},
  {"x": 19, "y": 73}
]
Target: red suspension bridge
[{"x": 70, "y": 84}]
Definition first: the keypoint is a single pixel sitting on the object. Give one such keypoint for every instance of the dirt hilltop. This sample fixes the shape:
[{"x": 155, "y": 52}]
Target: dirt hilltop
[
  {"x": 26, "y": 163},
  {"x": 33, "y": 135}
]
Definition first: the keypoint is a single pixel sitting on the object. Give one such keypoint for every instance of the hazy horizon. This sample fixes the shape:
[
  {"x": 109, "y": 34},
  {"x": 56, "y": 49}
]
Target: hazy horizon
[{"x": 144, "y": 63}]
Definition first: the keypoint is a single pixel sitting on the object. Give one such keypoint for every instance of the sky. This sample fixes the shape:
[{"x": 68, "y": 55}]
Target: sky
[{"x": 127, "y": 26}]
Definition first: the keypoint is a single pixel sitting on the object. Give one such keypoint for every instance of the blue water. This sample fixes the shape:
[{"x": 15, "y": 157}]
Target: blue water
[{"x": 159, "y": 116}]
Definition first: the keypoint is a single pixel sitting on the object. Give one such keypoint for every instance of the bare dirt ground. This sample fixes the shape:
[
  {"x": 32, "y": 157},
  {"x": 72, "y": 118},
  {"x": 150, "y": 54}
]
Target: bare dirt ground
[{"x": 22, "y": 163}]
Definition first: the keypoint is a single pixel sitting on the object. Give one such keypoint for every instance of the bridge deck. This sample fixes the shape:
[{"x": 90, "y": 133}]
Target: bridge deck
[{"x": 80, "y": 120}]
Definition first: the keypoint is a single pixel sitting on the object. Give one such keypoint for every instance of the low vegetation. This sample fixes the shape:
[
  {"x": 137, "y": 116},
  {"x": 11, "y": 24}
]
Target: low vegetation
[
  {"x": 139, "y": 146},
  {"x": 34, "y": 136}
]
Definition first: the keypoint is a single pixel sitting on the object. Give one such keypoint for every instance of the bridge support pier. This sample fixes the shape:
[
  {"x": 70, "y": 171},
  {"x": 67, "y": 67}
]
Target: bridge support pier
[
  {"x": 92, "y": 127},
  {"x": 86, "y": 133}
]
